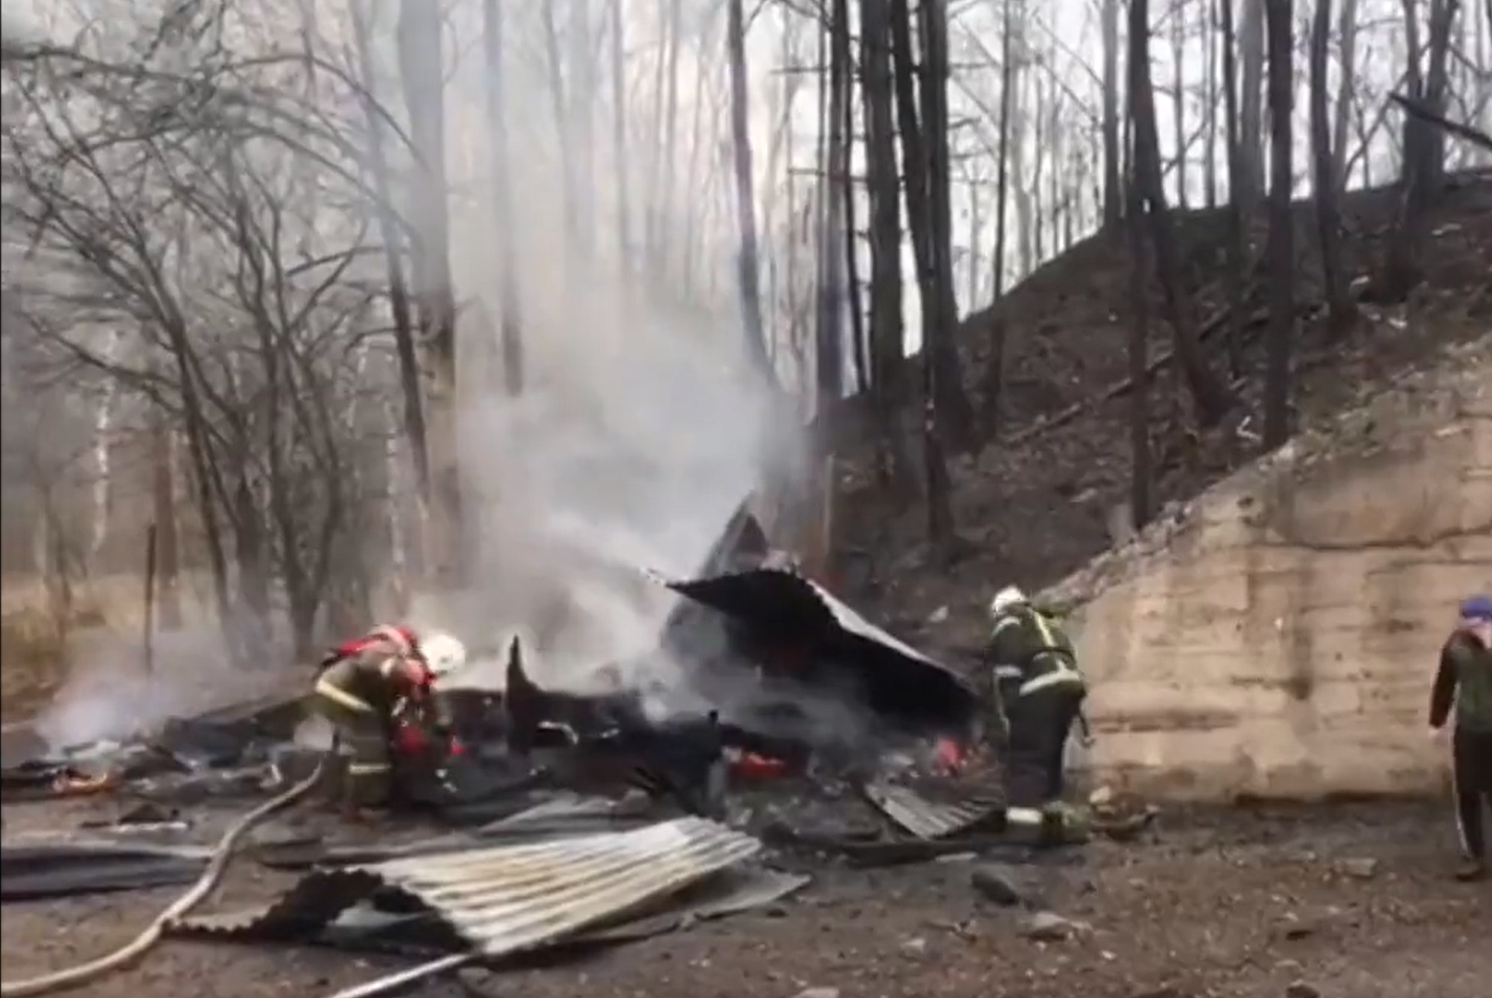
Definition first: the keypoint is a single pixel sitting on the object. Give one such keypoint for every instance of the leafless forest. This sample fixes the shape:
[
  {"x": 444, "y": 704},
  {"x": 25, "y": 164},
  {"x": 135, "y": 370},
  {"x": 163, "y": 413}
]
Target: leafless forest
[{"x": 315, "y": 307}]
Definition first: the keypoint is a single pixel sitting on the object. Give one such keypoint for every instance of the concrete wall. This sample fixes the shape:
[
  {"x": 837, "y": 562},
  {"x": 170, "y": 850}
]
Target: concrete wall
[{"x": 1280, "y": 639}]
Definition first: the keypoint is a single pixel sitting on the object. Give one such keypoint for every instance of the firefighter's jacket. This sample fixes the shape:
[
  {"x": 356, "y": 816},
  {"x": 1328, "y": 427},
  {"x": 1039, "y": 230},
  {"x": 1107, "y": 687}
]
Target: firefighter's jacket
[
  {"x": 1030, "y": 651},
  {"x": 368, "y": 681}
]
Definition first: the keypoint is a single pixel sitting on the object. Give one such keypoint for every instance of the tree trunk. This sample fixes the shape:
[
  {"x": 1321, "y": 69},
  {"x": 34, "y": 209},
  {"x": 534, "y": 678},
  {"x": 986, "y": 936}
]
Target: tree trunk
[
  {"x": 846, "y": 194},
  {"x": 1340, "y": 311},
  {"x": 511, "y": 307},
  {"x": 669, "y": 143},
  {"x": 1347, "y": 39},
  {"x": 1113, "y": 185},
  {"x": 393, "y": 235},
  {"x": 748, "y": 260},
  {"x": 974, "y": 260},
  {"x": 619, "y": 139},
  {"x": 945, "y": 406},
  {"x": 833, "y": 175},
  {"x": 554, "y": 61},
  {"x": 1178, "y": 104},
  {"x": 888, "y": 353},
  {"x": 421, "y": 68},
  {"x": 994, "y": 377},
  {"x": 1210, "y": 395},
  {"x": 1251, "y": 109},
  {"x": 167, "y": 544},
  {"x": 925, "y": 162},
  {"x": 580, "y": 116},
  {"x": 1210, "y": 96},
  {"x": 1423, "y": 150},
  {"x": 1437, "y": 93},
  {"x": 1238, "y": 241},
  {"x": 1277, "y": 378},
  {"x": 1139, "y": 364},
  {"x": 1040, "y": 142}
]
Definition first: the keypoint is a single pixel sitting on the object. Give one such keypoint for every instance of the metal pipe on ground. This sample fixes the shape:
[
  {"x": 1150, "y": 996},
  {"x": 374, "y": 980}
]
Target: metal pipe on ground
[
  {"x": 73, "y": 977},
  {"x": 400, "y": 979}
]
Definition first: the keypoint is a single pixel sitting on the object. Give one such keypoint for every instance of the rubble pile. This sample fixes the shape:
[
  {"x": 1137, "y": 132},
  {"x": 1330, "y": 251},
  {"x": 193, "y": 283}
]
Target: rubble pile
[{"x": 575, "y": 819}]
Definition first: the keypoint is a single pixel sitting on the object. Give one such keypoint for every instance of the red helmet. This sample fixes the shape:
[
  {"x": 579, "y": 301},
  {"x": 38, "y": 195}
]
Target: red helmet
[{"x": 400, "y": 634}]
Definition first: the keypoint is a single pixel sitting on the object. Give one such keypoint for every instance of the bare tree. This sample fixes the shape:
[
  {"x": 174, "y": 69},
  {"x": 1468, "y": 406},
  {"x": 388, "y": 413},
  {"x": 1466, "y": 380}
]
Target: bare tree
[
  {"x": 1141, "y": 471},
  {"x": 1340, "y": 310},
  {"x": 994, "y": 383},
  {"x": 924, "y": 144},
  {"x": 1210, "y": 395},
  {"x": 617, "y": 50},
  {"x": 1347, "y": 60},
  {"x": 888, "y": 378},
  {"x": 1250, "y": 177},
  {"x": 510, "y": 332},
  {"x": 748, "y": 256},
  {"x": 1423, "y": 148},
  {"x": 418, "y": 32},
  {"x": 1277, "y": 378},
  {"x": 946, "y": 405},
  {"x": 1113, "y": 198},
  {"x": 833, "y": 175}
]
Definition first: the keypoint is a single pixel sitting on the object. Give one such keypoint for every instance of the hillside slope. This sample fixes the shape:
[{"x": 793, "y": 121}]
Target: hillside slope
[
  {"x": 1276, "y": 636},
  {"x": 1038, "y": 503}
]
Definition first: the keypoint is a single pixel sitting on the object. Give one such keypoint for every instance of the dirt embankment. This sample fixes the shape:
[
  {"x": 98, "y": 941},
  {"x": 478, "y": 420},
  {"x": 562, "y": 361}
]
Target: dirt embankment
[{"x": 1277, "y": 636}]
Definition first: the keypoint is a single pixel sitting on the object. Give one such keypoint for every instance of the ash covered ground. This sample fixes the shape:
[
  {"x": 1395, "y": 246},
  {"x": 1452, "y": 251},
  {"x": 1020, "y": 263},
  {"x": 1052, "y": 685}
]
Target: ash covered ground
[{"x": 1348, "y": 900}]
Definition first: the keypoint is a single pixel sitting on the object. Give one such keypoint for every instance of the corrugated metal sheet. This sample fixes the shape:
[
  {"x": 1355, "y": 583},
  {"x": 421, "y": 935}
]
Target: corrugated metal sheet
[
  {"x": 899, "y": 680},
  {"x": 928, "y": 819},
  {"x": 571, "y": 814},
  {"x": 511, "y": 898}
]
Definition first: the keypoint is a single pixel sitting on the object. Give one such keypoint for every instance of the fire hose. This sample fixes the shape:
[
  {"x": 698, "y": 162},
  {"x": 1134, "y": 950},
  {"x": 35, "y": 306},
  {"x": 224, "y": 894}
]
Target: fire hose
[{"x": 73, "y": 977}]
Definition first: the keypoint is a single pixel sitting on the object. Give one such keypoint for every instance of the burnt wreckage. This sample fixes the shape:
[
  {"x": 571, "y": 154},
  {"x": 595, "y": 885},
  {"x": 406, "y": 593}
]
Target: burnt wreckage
[
  {"x": 538, "y": 851},
  {"x": 769, "y": 653}
]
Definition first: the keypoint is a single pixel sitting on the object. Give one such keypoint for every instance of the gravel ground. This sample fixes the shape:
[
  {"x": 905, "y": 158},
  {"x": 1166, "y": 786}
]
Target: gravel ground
[{"x": 1350, "y": 901}]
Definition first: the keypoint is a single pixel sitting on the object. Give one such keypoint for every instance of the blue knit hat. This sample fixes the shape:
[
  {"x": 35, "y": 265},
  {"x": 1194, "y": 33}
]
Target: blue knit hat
[{"x": 1477, "y": 607}]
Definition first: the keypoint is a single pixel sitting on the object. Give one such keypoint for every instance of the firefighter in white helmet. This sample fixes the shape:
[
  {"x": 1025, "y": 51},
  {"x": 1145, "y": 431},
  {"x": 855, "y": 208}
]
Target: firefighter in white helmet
[{"x": 1036, "y": 670}]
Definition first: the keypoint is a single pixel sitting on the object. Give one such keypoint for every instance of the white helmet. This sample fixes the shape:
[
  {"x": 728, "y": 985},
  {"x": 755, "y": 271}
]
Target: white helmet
[
  {"x": 1005, "y": 599},
  {"x": 443, "y": 653}
]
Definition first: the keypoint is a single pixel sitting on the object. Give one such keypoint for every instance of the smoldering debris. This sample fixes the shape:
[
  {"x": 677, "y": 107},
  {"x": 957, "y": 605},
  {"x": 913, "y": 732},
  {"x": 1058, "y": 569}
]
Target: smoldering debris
[
  {"x": 787, "y": 625},
  {"x": 789, "y": 733}
]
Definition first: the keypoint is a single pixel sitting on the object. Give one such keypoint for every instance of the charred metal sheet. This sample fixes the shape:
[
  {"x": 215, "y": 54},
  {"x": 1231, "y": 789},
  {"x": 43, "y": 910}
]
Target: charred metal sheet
[
  {"x": 726, "y": 893},
  {"x": 66, "y": 869},
  {"x": 610, "y": 741},
  {"x": 363, "y": 927},
  {"x": 929, "y": 819},
  {"x": 508, "y": 899},
  {"x": 571, "y": 814},
  {"x": 783, "y": 610}
]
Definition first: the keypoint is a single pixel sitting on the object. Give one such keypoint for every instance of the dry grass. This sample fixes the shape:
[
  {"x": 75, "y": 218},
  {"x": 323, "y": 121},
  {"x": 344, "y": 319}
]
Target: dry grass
[
  {"x": 35, "y": 634},
  {"x": 33, "y": 660}
]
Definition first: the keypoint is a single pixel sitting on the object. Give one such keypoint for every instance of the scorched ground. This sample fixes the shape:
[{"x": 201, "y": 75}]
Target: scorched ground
[{"x": 1349, "y": 901}]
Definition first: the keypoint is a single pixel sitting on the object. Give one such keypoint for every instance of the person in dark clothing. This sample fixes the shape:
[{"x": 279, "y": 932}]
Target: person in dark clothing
[
  {"x": 1036, "y": 672},
  {"x": 1464, "y": 681}
]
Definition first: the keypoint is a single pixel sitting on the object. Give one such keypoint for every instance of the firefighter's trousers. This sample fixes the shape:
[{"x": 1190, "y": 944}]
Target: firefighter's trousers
[
  {"x": 1040, "y": 722},
  {"x": 363, "y": 738}
]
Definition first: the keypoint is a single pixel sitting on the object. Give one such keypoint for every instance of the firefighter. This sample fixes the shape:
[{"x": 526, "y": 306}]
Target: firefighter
[
  {"x": 1464, "y": 683},
  {"x": 1036, "y": 673},
  {"x": 359, "y": 688}
]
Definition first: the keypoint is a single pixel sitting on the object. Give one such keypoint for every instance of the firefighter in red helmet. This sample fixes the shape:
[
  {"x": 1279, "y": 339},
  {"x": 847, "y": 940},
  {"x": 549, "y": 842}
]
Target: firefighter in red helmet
[{"x": 358, "y": 689}]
